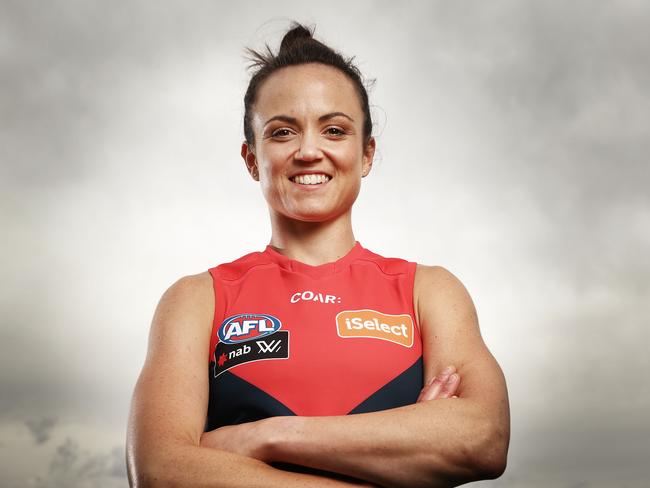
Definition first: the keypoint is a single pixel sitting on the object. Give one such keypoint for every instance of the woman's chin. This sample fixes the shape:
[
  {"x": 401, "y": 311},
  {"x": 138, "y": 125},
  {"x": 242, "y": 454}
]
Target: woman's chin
[{"x": 312, "y": 215}]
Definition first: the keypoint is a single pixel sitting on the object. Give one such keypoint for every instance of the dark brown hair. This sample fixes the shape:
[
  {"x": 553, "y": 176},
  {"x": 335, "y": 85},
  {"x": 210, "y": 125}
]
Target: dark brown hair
[{"x": 299, "y": 47}]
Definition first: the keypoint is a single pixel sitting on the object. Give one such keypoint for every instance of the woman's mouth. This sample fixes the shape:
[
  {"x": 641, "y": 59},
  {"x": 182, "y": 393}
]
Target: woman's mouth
[{"x": 310, "y": 181}]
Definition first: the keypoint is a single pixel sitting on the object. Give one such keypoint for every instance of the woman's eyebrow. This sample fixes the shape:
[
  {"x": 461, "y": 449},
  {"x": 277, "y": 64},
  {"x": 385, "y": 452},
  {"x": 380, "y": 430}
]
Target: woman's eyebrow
[{"x": 293, "y": 120}]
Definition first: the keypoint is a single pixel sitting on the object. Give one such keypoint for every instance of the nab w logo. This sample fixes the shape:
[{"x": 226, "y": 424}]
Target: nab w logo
[
  {"x": 272, "y": 347},
  {"x": 228, "y": 356},
  {"x": 246, "y": 327}
]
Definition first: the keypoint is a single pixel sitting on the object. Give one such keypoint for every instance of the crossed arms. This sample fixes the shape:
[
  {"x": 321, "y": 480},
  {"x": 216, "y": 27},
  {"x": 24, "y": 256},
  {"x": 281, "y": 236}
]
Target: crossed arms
[{"x": 446, "y": 442}]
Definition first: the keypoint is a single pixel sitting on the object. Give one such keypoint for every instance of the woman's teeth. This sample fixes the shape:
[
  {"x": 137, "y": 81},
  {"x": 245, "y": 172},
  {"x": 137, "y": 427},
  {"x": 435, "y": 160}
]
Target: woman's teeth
[{"x": 311, "y": 179}]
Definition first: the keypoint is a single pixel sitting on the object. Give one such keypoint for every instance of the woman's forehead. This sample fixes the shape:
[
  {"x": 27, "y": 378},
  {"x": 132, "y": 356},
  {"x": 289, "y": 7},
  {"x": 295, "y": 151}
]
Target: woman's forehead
[{"x": 309, "y": 89}]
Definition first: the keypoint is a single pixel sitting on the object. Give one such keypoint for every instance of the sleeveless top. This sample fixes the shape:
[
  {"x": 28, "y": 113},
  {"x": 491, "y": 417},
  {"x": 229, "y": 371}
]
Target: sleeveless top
[{"x": 289, "y": 338}]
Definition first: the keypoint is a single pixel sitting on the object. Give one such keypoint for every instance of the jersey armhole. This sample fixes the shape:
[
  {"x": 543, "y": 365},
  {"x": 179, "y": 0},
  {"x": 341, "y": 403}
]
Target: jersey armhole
[
  {"x": 412, "y": 266},
  {"x": 219, "y": 309}
]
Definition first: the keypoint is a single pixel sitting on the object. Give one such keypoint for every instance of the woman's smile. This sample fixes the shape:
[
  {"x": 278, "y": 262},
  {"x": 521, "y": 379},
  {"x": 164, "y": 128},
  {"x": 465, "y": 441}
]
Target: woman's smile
[
  {"x": 311, "y": 181},
  {"x": 310, "y": 186}
]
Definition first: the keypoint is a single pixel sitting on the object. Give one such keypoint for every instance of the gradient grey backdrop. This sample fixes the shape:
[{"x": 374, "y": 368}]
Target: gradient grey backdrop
[{"x": 513, "y": 141}]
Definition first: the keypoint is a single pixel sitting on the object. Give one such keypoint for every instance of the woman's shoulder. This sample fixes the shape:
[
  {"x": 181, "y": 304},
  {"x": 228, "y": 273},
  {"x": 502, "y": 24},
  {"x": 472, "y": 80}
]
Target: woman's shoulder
[
  {"x": 190, "y": 294},
  {"x": 433, "y": 281},
  {"x": 425, "y": 272},
  {"x": 192, "y": 283}
]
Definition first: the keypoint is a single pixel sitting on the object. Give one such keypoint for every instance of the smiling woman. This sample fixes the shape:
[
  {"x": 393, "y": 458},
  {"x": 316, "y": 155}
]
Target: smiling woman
[
  {"x": 309, "y": 153},
  {"x": 315, "y": 362}
]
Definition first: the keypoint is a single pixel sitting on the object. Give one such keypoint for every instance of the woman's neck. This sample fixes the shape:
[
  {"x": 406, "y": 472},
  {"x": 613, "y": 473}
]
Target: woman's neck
[{"x": 312, "y": 243}]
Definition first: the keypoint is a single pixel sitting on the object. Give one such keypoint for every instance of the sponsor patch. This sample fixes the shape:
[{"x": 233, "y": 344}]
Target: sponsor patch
[
  {"x": 247, "y": 326},
  {"x": 312, "y": 296},
  {"x": 274, "y": 346},
  {"x": 376, "y": 325}
]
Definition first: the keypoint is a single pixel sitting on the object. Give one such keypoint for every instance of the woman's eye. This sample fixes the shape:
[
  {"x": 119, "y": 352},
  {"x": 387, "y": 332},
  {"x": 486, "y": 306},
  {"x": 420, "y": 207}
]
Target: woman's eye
[
  {"x": 337, "y": 131},
  {"x": 280, "y": 133}
]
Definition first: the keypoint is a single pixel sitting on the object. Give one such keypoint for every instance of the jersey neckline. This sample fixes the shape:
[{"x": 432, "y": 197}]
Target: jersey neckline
[{"x": 324, "y": 269}]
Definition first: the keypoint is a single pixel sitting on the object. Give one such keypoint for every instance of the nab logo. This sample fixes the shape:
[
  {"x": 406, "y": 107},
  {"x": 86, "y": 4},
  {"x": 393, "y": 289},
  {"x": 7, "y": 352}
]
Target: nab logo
[
  {"x": 246, "y": 327},
  {"x": 228, "y": 356},
  {"x": 377, "y": 325}
]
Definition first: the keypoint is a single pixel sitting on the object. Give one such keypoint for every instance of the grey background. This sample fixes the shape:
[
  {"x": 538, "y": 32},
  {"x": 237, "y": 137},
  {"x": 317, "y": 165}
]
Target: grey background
[{"x": 513, "y": 141}]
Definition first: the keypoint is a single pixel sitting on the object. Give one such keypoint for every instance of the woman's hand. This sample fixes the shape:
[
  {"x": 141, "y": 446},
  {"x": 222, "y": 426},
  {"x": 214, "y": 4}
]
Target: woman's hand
[
  {"x": 443, "y": 385},
  {"x": 248, "y": 439}
]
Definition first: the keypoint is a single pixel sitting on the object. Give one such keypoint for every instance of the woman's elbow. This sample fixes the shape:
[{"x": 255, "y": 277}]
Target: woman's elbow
[
  {"x": 150, "y": 477},
  {"x": 141, "y": 474},
  {"x": 482, "y": 456},
  {"x": 491, "y": 451},
  {"x": 152, "y": 466},
  {"x": 479, "y": 456}
]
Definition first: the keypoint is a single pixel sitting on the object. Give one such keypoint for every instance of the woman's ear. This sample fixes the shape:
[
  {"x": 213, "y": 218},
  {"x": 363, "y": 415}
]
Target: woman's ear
[
  {"x": 368, "y": 156},
  {"x": 249, "y": 159}
]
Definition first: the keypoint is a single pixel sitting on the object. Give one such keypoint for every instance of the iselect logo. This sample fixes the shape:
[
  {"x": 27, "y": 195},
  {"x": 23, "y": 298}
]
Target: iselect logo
[{"x": 376, "y": 325}]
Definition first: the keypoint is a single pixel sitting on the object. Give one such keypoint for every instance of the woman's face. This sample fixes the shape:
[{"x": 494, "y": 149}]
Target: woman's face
[{"x": 308, "y": 119}]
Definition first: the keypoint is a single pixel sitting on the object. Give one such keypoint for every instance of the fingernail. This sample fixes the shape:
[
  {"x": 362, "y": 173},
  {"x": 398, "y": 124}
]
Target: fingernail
[
  {"x": 448, "y": 370},
  {"x": 453, "y": 377}
]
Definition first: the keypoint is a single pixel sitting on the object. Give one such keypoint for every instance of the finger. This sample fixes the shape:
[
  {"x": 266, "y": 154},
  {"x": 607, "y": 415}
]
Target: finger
[
  {"x": 432, "y": 388},
  {"x": 432, "y": 391},
  {"x": 425, "y": 388},
  {"x": 422, "y": 391},
  {"x": 450, "y": 387}
]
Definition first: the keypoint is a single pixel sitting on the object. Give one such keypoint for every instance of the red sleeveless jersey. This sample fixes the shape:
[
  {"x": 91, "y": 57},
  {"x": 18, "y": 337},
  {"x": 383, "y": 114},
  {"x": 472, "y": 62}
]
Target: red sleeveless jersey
[{"x": 289, "y": 338}]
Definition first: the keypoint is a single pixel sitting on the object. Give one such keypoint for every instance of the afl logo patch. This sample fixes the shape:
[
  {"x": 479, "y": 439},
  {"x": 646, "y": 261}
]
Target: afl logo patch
[
  {"x": 376, "y": 325},
  {"x": 247, "y": 326}
]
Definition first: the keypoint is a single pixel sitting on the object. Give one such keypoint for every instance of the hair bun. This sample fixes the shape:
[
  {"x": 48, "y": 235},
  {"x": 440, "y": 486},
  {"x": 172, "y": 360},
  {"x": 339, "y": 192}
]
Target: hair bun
[{"x": 298, "y": 33}]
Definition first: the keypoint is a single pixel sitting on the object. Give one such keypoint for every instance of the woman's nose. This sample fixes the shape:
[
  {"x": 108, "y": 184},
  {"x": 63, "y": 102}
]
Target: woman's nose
[{"x": 309, "y": 148}]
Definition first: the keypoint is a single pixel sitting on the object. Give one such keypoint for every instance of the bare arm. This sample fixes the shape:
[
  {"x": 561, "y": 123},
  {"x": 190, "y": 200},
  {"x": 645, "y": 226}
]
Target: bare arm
[
  {"x": 429, "y": 444},
  {"x": 169, "y": 406}
]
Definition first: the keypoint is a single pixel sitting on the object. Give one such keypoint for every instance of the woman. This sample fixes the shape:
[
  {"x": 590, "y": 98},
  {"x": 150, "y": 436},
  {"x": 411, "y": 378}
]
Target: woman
[{"x": 326, "y": 360}]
